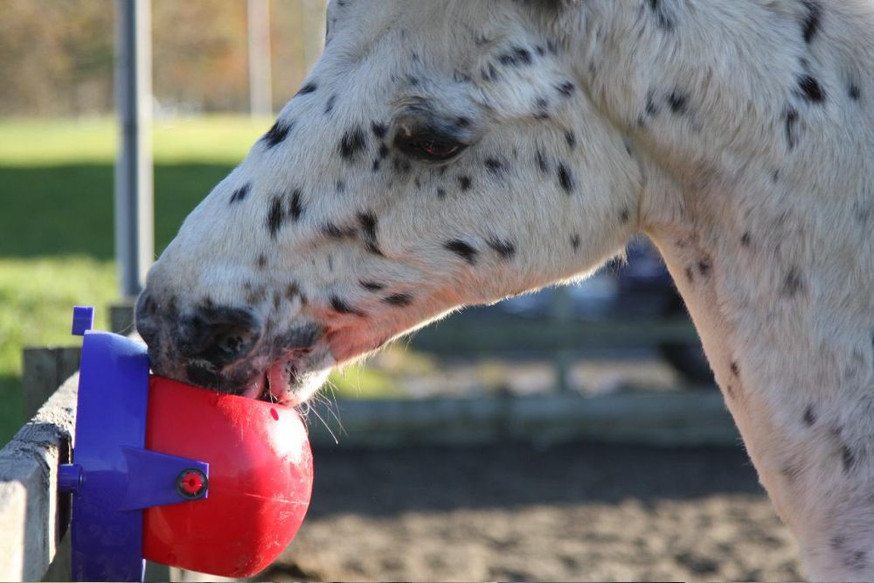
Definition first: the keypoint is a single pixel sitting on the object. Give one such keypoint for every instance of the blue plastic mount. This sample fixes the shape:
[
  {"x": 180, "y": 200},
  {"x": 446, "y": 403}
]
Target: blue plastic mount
[
  {"x": 83, "y": 319},
  {"x": 113, "y": 477}
]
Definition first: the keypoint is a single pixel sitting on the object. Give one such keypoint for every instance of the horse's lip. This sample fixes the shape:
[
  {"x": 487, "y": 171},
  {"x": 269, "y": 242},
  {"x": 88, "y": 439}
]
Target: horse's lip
[{"x": 281, "y": 378}]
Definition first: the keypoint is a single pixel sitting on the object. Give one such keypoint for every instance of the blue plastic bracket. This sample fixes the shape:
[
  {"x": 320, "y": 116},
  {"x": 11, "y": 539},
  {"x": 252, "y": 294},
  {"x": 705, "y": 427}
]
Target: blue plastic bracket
[
  {"x": 152, "y": 478},
  {"x": 83, "y": 319},
  {"x": 113, "y": 476}
]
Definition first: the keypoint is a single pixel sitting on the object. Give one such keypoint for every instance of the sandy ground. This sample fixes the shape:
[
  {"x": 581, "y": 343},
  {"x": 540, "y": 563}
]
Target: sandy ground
[{"x": 513, "y": 512}]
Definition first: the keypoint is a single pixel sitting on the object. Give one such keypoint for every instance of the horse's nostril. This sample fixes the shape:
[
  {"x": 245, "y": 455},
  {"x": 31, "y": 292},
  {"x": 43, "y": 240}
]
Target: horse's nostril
[
  {"x": 231, "y": 342},
  {"x": 219, "y": 335}
]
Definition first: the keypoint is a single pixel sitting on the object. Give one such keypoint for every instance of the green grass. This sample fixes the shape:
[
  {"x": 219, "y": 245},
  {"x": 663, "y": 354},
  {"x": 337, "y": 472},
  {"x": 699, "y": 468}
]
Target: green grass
[
  {"x": 67, "y": 209},
  {"x": 36, "y": 300},
  {"x": 38, "y": 142},
  {"x": 56, "y": 227},
  {"x": 56, "y": 179}
]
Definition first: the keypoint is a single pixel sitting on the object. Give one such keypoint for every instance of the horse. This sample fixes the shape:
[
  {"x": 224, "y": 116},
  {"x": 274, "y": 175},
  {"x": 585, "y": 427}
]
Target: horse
[{"x": 444, "y": 153}]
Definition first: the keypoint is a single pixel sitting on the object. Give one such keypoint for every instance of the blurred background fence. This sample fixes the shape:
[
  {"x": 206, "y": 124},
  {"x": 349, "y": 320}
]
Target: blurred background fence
[{"x": 56, "y": 58}]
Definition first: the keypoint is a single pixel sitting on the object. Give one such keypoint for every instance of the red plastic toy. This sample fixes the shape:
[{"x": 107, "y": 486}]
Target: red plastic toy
[{"x": 260, "y": 480}]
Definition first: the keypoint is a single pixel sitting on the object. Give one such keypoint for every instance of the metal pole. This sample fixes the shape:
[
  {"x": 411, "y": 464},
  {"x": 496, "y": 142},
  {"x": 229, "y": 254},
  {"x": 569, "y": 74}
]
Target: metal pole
[
  {"x": 134, "y": 193},
  {"x": 260, "y": 74}
]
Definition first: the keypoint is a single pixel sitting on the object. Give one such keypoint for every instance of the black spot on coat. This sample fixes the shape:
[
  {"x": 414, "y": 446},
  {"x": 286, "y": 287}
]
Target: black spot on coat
[
  {"x": 566, "y": 88},
  {"x": 678, "y": 102},
  {"x": 489, "y": 73},
  {"x": 812, "y": 20},
  {"x": 275, "y": 216},
  {"x": 791, "y": 125},
  {"x": 664, "y": 20},
  {"x": 515, "y": 57},
  {"x": 494, "y": 166},
  {"x": 651, "y": 108},
  {"x": 463, "y": 250},
  {"x": 809, "y": 416},
  {"x": 793, "y": 283},
  {"x": 332, "y": 231},
  {"x": 565, "y": 178},
  {"x": 342, "y": 307},
  {"x": 465, "y": 182},
  {"x": 329, "y": 106},
  {"x": 308, "y": 88},
  {"x": 241, "y": 193},
  {"x": 810, "y": 89},
  {"x": 624, "y": 216},
  {"x": 352, "y": 144},
  {"x": 277, "y": 133},
  {"x": 854, "y": 92},
  {"x": 848, "y": 458},
  {"x": 506, "y": 249},
  {"x": 368, "y": 224},
  {"x": 379, "y": 129},
  {"x": 857, "y": 560},
  {"x": 292, "y": 291},
  {"x": 399, "y": 300},
  {"x": 401, "y": 165},
  {"x": 541, "y": 161},
  {"x": 541, "y": 108},
  {"x": 295, "y": 205}
]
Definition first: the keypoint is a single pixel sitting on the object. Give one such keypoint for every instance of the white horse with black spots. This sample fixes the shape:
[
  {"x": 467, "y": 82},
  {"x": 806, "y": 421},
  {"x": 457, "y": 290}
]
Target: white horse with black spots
[{"x": 453, "y": 152}]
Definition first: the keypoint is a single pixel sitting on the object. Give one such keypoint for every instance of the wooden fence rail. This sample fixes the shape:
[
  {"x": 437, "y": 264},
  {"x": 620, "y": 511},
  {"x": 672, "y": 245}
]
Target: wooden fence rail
[
  {"x": 33, "y": 518},
  {"x": 648, "y": 418},
  {"x": 467, "y": 335}
]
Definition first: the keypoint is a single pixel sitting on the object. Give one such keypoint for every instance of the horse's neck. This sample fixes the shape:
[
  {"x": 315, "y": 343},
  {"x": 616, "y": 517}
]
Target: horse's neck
[{"x": 759, "y": 194}]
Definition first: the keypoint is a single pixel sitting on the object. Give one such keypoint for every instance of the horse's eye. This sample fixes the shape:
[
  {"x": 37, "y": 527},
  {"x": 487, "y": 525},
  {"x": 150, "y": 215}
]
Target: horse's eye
[{"x": 429, "y": 147}]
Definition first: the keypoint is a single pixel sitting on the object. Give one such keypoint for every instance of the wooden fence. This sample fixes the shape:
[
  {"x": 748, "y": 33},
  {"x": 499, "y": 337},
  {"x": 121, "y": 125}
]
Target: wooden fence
[{"x": 33, "y": 518}]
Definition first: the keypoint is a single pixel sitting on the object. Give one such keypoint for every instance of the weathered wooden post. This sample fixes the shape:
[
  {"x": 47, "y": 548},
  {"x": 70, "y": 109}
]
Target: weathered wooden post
[{"x": 46, "y": 369}]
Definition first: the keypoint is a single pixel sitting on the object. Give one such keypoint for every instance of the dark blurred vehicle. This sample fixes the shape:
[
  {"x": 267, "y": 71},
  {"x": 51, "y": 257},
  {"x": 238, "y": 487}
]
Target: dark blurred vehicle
[{"x": 638, "y": 287}]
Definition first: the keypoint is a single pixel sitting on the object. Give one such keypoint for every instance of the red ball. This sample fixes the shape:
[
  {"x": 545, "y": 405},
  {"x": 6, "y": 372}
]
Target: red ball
[{"x": 260, "y": 480}]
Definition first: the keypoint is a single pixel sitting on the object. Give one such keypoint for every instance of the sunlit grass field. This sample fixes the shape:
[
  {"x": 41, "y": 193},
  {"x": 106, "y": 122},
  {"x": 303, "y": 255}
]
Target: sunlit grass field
[
  {"x": 56, "y": 226},
  {"x": 214, "y": 140}
]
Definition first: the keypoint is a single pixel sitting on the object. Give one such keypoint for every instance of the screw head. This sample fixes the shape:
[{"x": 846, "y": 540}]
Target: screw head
[{"x": 192, "y": 484}]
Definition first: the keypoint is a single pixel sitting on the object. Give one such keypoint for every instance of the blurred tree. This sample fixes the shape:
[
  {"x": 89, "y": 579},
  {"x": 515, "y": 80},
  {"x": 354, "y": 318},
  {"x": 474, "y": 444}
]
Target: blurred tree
[
  {"x": 199, "y": 51},
  {"x": 56, "y": 56}
]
